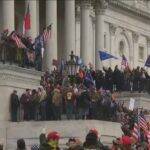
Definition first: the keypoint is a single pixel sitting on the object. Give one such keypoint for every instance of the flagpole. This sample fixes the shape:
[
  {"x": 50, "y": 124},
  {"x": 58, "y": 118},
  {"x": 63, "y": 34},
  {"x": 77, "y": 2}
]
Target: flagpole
[{"x": 138, "y": 121}]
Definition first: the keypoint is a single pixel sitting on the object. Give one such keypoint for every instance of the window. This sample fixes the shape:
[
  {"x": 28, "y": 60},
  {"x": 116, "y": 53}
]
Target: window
[
  {"x": 105, "y": 45},
  {"x": 141, "y": 53},
  {"x": 121, "y": 48}
]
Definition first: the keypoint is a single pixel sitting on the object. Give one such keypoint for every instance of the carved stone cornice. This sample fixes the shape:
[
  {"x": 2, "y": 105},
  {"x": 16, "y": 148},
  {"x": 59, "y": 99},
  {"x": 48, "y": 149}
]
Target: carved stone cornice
[
  {"x": 85, "y": 4},
  {"x": 112, "y": 29},
  {"x": 130, "y": 8},
  {"x": 100, "y": 6},
  {"x": 135, "y": 36}
]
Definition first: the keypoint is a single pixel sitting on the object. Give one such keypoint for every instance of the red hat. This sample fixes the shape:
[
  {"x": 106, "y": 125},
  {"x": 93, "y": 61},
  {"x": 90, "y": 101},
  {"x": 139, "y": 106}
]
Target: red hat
[
  {"x": 93, "y": 130},
  {"x": 53, "y": 136},
  {"x": 125, "y": 140}
]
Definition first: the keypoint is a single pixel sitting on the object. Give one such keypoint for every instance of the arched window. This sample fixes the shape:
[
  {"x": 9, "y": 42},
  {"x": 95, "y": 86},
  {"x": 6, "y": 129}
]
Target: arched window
[{"x": 121, "y": 48}]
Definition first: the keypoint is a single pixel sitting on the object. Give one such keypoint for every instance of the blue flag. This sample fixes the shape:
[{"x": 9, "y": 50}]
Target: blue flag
[
  {"x": 104, "y": 55},
  {"x": 147, "y": 63},
  {"x": 89, "y": 79}
]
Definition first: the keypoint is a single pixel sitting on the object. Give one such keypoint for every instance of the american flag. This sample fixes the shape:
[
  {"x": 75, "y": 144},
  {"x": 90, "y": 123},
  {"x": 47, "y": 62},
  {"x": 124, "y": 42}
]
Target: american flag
[
  {"x": 47, "y": 33},
  {"x": 148, "y": 136},
  {"x": 17, "y": 41},
  {"x": 124, "y": 120},
  {"x": 136, "y": 132},
  {"x": 142, "y": 122},
  {"x": 124, "y": 61}
]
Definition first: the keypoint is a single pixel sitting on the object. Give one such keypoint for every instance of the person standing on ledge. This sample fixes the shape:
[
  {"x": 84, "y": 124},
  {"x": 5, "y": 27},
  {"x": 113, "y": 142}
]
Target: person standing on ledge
[{"x": 14, "y": 103}]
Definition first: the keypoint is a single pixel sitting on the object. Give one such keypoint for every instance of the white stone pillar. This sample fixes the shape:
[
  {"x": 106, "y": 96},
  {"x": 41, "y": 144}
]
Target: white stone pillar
[
  {"x": 69, "y": 27},
  {"x": 86, "y": 52},
  {"x": 51, "y": 47},
  {"x": 112, "y": 30},
  {"x": 34, "y": 16},
  {"x": 148, "y": 46},
  {"x": 8, "y": 15},
  {"x": 135, "y": 37},
  {"x": 99, "y": 32}
]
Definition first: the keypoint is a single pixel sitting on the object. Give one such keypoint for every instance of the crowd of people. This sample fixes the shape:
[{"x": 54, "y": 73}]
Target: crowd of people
[
  {"x": 17, "y": 48},
  {"x": 87, "y": 95},
  {"x": 128, "y": 141}
]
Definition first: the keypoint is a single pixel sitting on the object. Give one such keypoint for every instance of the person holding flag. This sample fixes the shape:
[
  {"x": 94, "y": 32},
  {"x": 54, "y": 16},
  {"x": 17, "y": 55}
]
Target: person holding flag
[{"x": 124, "y": 62}]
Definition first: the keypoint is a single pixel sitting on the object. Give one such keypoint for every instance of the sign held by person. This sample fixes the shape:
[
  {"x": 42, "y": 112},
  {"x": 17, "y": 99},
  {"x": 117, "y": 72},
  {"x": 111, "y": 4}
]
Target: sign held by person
[{"x": 131, "y": 104}]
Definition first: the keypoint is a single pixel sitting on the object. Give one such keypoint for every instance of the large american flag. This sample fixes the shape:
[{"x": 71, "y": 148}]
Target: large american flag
[
  {"x": 124, "y": 61},
  {"x": 17, "y": 40},
  {"x": 124, "y": 120},
  {"x": 136, "y": 132},
  {"x": 142, "y": 122},
  {"x": 47, "y": 33}
]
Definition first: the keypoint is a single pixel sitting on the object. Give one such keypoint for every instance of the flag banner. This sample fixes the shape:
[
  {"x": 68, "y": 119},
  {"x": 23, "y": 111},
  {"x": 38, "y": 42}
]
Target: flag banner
[
  {"x": 142, "y": 122},
  {"x": 147, "y": 63},
  {"x": 47, "y": 33},
  {"x": 131, "y": 104},
  {"x": 104, "y": 56},
  {"x": 17, "y": 40},
  {"x": 27, "y": 20},
  {"x": 136, "y": 132}
]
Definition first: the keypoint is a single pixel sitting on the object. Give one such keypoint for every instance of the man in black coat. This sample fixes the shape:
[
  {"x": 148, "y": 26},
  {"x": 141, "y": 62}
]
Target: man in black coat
[
  {"x": 83, "y": 103},
  {"x": 14, "y": 102}
]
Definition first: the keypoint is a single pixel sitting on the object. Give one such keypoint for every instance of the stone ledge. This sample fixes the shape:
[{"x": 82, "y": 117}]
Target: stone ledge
[
  {"x": 20, "y": 69},
  {"x": 132, "y": 9},
  {"x": 11, "y": 75}
]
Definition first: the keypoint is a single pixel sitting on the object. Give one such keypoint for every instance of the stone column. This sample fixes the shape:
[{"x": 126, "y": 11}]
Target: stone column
[
  {"x": 99, "y": 31},
  {"x": 135, "y": 54},
  {"x": 51, "y": 47},
  {"x": 8, "y": 15},
  {"x": 112, "y": 30},
  {"x": 85, "y": 51},
  {"x": 148, "y": 46},
  {"x": 69, "y": 27},
  {"x": 34, "y": 16}
]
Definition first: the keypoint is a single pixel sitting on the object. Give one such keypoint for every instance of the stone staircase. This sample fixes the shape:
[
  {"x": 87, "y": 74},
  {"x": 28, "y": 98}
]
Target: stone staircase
[{"x": 30, "y": 131}]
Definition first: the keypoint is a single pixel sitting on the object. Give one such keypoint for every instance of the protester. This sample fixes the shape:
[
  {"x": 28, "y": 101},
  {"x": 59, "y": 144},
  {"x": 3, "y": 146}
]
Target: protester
[
  {"x": 14, "y": 102},
  {"x": 1, "y": 147},
  {"x": 21, "y": 144},
  {"x": 74, "y": 144}
]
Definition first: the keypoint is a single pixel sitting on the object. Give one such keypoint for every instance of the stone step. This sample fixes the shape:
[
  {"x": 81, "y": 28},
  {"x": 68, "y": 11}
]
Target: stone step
[{"x": 30, "y": 131}]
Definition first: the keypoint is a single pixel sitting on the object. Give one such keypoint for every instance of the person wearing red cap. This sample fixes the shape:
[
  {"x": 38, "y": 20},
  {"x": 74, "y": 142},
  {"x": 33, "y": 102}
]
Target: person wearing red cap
[
  {"x": 126, "y": 142},
  {"x": 53, "y": 140}
]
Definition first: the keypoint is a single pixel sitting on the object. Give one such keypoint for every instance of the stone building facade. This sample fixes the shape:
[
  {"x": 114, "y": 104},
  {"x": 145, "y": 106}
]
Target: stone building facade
[{"x": 86, "y": 26}]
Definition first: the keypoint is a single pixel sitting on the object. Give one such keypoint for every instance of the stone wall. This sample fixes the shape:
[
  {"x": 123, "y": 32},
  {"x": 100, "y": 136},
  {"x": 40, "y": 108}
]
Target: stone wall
[{"x": 15, "y": 78}]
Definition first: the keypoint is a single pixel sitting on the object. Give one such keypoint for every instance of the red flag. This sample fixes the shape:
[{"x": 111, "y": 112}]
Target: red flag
[{"x": 27, "y": 20}]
